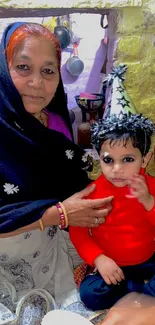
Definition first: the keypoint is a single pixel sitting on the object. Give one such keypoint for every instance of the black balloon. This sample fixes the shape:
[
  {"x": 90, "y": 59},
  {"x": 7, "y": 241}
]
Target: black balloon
[{"x": 63, "y": 36}]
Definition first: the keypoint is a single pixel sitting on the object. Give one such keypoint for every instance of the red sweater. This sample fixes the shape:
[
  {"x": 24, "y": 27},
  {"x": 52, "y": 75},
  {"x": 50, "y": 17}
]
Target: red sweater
[{"x": 127, "y": 236}]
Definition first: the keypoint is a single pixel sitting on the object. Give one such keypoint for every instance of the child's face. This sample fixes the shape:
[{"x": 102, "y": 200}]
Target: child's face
[{"x": 119, "y": 163}]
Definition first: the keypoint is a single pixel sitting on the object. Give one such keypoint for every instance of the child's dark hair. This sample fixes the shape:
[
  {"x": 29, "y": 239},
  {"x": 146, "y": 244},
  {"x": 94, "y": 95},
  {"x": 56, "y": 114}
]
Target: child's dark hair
[{"x": 122, "y": 128}]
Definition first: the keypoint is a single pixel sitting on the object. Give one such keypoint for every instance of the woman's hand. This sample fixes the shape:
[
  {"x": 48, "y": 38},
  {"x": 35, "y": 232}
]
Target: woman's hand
[
  {"x": 133, "y": 309},
  {"x": 87, "y": 213},
  {"x": 109, "y": 270},
  {"x": 81, "y": 212}
]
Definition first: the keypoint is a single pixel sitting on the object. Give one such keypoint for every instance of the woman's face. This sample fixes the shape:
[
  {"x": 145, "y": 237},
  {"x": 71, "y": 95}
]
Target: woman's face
[{"x": 35, "y": 73}]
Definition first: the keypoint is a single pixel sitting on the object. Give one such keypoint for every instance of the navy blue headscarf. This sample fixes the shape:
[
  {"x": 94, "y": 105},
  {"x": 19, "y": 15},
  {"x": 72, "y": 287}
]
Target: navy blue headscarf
[{"x": 38, "y": 166}]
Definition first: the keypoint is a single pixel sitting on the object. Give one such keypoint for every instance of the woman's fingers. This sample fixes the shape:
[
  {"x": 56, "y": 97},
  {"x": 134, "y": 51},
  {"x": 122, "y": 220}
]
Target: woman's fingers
[
  {"x": 99, "y": 203},
  {"x": 87, "y": 213},
  {"x": 96, "y": 222},
  {"x": 93, "y": 222},
  {"x": 102, "y": 212},
  {"x": 96, "y": 217}
]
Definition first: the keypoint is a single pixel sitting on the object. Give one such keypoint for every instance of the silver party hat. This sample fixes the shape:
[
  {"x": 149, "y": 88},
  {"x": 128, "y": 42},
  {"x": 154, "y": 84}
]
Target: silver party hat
[{"x": 118, "y": 101}]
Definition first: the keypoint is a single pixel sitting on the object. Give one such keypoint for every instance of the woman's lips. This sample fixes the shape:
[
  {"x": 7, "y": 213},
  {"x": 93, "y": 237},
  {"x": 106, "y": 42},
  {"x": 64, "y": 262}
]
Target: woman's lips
[{"x": 33, "y": 98}]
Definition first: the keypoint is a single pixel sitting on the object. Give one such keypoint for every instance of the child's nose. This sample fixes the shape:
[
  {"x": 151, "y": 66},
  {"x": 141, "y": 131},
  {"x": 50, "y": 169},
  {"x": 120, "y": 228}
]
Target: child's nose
[{"x": 117, "y": 168}]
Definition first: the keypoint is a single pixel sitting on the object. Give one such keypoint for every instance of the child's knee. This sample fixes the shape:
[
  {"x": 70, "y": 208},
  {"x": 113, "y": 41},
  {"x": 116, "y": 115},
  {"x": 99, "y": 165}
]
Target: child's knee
[
  {"x": 97, "y": 295},
  {"x": 87, "y": 297},
  {"x": 91, "y": 294}
]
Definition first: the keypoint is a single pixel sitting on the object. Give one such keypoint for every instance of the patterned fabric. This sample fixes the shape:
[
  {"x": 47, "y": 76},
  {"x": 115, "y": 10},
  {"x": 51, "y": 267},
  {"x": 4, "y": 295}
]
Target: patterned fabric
[{"x": 30, "y": 261}]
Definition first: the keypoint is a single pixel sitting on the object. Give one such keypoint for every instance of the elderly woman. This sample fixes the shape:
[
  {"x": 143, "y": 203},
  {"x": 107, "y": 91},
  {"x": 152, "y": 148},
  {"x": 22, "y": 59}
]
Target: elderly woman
[{"x": 40, "y": 170}]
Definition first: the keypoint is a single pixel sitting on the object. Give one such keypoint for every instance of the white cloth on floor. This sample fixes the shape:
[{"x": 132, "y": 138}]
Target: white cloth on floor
[{"x": 36, "y": 272}]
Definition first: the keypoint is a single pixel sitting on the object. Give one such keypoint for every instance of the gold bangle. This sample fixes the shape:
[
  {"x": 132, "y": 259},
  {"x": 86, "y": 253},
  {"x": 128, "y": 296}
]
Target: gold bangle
[
  {"x": 41, "y": 225},
  {"x": 65, "y": 214}
]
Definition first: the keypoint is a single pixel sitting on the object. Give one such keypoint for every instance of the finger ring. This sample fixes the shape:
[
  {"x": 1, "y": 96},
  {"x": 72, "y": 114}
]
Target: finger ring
[{"x": 96, "y": 220}]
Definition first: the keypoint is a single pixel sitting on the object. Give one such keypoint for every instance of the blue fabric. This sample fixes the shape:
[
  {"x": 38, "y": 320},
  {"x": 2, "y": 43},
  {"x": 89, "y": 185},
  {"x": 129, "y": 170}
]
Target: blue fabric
[
  {"x": 97, "y": 295},
  {"x": 11, "y": 30},
  {"x": 35, "y": 171}
]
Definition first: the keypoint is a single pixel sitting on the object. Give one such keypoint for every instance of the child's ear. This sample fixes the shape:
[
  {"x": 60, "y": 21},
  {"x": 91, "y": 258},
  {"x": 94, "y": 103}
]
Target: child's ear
[{"x": 146, "y": 159}]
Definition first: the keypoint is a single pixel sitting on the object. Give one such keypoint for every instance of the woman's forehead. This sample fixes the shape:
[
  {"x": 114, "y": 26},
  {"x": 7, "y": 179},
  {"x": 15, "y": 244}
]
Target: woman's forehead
[{"x": 32, "y": 46}]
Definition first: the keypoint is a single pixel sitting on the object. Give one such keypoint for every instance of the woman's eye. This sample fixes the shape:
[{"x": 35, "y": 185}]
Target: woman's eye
[
  {"x": 22, "y": 67},
  {"x": 128, "y": 159},
  {"x": 48, "y": 71},
  {"x": 107, "y": 160}
]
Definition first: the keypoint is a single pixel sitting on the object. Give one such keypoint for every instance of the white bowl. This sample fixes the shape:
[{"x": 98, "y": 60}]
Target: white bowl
[{"x": 59, "y": 317}]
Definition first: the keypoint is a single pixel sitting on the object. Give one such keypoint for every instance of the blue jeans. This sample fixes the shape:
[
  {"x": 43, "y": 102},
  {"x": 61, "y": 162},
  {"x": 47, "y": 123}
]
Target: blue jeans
[{"x": 97, "y": 295}]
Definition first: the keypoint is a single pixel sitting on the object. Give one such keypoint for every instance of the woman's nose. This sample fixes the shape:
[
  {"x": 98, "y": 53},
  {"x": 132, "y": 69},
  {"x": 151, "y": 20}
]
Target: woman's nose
[{"x": 36, "y": 81}]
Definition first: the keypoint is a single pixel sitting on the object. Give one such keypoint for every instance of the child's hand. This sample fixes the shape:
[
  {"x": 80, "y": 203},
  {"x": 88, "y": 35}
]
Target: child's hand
[
  {"x": 139, "y": 189},
  {"x": 109, "y": 270}
]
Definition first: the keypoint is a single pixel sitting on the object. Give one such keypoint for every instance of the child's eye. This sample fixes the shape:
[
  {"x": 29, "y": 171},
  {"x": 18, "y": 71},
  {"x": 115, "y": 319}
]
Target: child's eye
[
  {"x": 128, "y": 159},
  {"x": 107, "y": 160}
]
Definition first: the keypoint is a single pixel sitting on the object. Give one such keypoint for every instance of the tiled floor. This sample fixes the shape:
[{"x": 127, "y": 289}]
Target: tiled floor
[{"x": 97, "y": 320}]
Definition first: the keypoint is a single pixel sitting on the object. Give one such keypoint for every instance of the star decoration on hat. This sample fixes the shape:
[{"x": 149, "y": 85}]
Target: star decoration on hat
[
  {"x": 123, "y": 101},
  {"x": 120, "y": 89}
]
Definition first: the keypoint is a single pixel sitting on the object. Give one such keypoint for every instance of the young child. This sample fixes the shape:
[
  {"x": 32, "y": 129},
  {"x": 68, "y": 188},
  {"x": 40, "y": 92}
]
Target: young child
[{"x": 122, "y": 249}]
